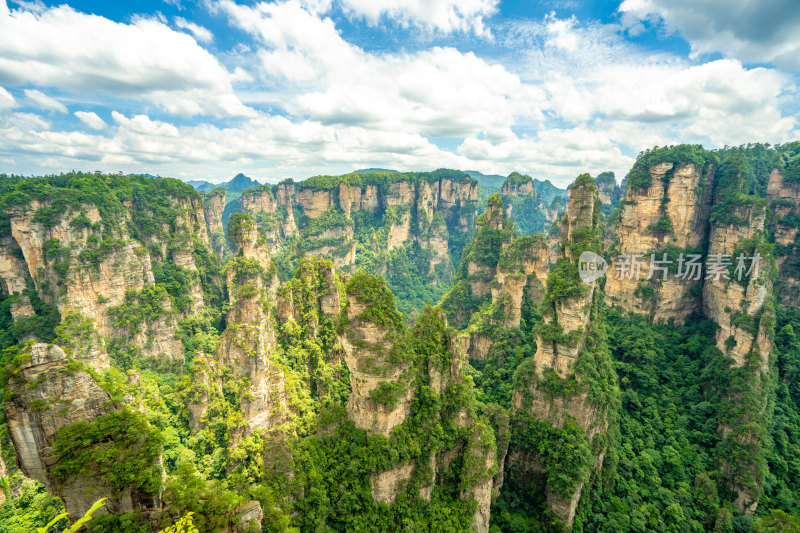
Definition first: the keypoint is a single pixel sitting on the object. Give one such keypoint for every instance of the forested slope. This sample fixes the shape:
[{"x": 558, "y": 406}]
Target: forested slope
[{"x": 267, "y": 380}]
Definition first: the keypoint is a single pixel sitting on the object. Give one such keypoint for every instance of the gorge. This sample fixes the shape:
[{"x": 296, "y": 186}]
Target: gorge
[{"x": 386, "y": 351}]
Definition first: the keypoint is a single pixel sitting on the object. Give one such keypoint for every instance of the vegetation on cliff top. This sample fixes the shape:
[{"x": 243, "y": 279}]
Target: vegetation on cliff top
[{"x": 381, "y": 179}]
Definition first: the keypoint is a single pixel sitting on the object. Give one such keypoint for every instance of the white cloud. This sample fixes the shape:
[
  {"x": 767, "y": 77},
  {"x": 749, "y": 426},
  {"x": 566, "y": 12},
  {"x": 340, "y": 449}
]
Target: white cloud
[
  {"x": 200, "y": 33},
  {"x": 6, "y": 100},
  {"x": 767, "y": 31},
  {"x": 91, "y": 54},
  {"x": 263, "y": 144},
  {"x": 570, "y": 97},
  {"x": 558, "y": 153},
  {"x": 43, "y": 101},
  {"x": 591, "y": 76},
  {"x": 439, "y": 92},
  {"x": 443, "y": 15},
  {"x": 91, "y": 119}
]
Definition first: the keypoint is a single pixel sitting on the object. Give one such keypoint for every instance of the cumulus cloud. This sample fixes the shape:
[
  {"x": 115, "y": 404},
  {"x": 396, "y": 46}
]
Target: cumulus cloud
[
  {"x": 559, "y": 97},
  {"x": 562, "y": 153},
  {"x": 440, "y": 92},
  {"x": 91, "y": 119},
  {"x": 590, "y": 75},
  {"x": 88, "y": 53},
  {"x": 767, "y": 31},
  {"x": 6, "y": 100},
  {"x": 287, "y": 148},
  {"x": 446, "y": 16},
  {"x": 200, "y": 33},
  {"x": 43, "y": 101}
]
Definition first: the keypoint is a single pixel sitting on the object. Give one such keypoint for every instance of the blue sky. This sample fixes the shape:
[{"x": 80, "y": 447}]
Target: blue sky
[{"x": 293, "y": 88}]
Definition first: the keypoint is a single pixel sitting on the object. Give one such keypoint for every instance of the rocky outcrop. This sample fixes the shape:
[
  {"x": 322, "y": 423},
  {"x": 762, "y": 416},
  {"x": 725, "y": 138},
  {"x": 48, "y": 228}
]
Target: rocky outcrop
[
  {"x": 259, "y": 199},
  {"x": 3, "y": 480},
  {"x": 247, "y": 344},
  {"x": 738, "y": 299},
  {"x": 517, "y": 185},
  {"x": 784, "y": 202},
  {"x": 248, "y": 517},
  {"x": 15, "y": 276},
  {"x": 294, "y": 299},
  {"x": 386, "y": 485},
  {"x": 368, "y": 350},
  {"x": 416, "y": 209},
  {"x": 80, "y": 272},
  {"x": 728, "y": 299},
  {"x": 47, "y": 393},
  {"x": 481, "y": 459},
  {"x": 608, "y": 192},
  {"x": 213, "y": 208},
  {"x": 521, "y": 274},
  {"x": 527, "y": 200},
  {"x": 672, "y": 212},
  {"x": 387, "y": 366},
  {"x": 552, "y": 387},
  {"x": 208, "y": 385},
  {"x": 314, "y": 202},
  {"x": 500, "y": 268},
  {"x": 337, "y": 243},
  {"x": 694, "y": 211}
]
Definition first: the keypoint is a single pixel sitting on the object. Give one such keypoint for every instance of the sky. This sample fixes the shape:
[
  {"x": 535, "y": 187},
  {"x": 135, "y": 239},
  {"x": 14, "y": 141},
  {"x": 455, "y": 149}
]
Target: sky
[{"x": 294, "y": 88}]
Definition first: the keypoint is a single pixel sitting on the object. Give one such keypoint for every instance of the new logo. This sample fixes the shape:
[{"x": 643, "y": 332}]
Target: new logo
[{"x": 591, "y": 267}]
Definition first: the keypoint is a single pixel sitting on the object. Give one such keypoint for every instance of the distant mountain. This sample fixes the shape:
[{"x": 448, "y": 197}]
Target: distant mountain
[
  {"x": 202, "y": 185},
  {"x": 489, "y": 180},
  {"x": 233, "y": 191},
  {"x": 238, "y": 183},
  {"x": 547, "y": 190},
  {"x": 370, "y": 170}
]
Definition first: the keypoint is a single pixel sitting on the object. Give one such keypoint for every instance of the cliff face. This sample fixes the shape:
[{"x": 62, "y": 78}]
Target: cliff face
[
  {"x": 521, "y": 274},
  {"x": 670, "y": 216},
  {"x": 494, "y": 232},
  {"x": 332, "y": 210},
  {"x": 48, "y": 393},
  {"x": 387, "y": 366},
  {"x": 740, "y": 302},
  {"x": 314, "y": 203},
  {"x": 502, "y": 269},
  {"x": 247, "y": 344},
  {"x": 79, "y": 261},
  {"x": 552, "y": 390},
  {"x": 677, "y": 211},
  {"x": 213, "y": 208},
  {"x": 15, "y": 276},
  {"x": 726, "y": 299},
  {"x": 608, "y": 192},
  {"x": 369, "y": 348},
  {"x": 520, "y": 188},
  {"x": 43, "y": 250},
  {"x": 357, "y": 199},
  {"x": 531, "y": 210},
  {"x": 784, "y": 202}
]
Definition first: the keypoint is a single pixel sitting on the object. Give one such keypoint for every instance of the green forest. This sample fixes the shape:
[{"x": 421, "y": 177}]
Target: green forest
[{"x": 178, "y": 429}]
